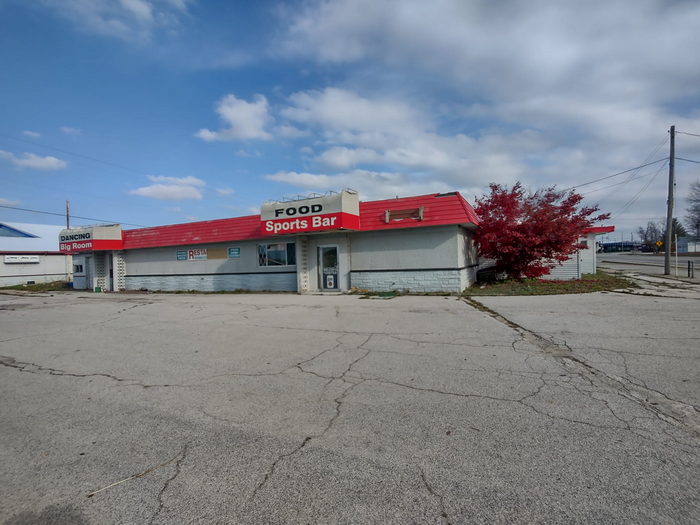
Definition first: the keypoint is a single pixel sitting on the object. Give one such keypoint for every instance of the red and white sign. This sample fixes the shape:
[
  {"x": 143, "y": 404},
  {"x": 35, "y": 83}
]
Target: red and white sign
[
  {"x": 90, "y": 245},
  {"x": 330, "y": 221},
  {"x": 93, "y": 238},
  {"x": 339, "y": 211}
]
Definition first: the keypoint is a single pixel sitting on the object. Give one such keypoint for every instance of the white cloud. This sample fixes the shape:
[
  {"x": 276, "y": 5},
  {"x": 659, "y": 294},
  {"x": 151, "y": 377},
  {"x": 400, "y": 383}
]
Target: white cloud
[
  {"x": 34, "y": 162},
  {"x": 381, "y": 133},
  {"x": 33, "y": 134},
  {"x": 8, "y": 202},
  {"x": 370, "y": 184},
  {"x": 224, "y": 191},
  {"x": 509, "y": 48},
  {"x": 130, "y": 20},
  {"x": 245, "y": 120},
  {"x": 169, "y": 192},
  {"x": 340, "y": 110},
  {"x": 182, "y": 181},
  {"x": 139, "y": 9},
  {"x": 546, "y": 92},
  {"x": 291, "y": 132},
  {"x": 69, "y": 130}
]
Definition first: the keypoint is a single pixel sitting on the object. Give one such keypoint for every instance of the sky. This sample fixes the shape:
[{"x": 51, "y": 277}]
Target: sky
[{"x": 149, "y": 112}]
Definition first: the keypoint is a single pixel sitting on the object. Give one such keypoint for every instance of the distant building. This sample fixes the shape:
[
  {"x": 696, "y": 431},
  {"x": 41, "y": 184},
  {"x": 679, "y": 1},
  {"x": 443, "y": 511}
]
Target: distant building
[
  {"x": 688, "y": 244},
  {"x": 29, "y": 254}
]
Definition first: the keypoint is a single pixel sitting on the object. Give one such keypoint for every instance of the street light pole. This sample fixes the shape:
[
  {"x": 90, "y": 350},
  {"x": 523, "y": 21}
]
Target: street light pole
[{"x": 669, "y": 202}]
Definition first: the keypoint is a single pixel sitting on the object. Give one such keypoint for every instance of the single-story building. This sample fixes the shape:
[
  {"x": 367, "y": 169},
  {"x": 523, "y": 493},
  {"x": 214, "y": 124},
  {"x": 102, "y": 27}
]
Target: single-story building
[
  {"x": 688, "y": 244},
  {"x": 29, "y": 254},
  {"x": 584, "y": 260},
  {"x": 325, "y": 243}
]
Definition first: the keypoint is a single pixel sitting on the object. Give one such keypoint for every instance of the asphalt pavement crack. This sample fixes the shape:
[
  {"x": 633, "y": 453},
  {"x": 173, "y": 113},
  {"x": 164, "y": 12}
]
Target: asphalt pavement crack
[
  {"x": 178, "y": 467},
  {"x": 444, "y": 518},
  {"x": 32, "y": 368},
  {"x": 338, "y": 400},
  {"x": 669, "y": 410}
]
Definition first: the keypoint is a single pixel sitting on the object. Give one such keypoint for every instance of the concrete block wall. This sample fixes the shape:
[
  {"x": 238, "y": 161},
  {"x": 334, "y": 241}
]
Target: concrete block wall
[
  {"x": 409, "y": 280},
  {"x": 468, "y": 277},
  {"x": 281, "y": 282}
]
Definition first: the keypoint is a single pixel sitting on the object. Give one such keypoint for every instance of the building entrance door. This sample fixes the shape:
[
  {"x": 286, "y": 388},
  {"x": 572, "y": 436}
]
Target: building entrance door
[{"x": 328, "y": 267}]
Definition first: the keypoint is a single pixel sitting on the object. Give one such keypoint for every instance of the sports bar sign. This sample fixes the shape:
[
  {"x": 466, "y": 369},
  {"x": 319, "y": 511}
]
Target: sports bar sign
[
  {"x": 339, "y": 211},
  {"x": 93, "y": 238}
]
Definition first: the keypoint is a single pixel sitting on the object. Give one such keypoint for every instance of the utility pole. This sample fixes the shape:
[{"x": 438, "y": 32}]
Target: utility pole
[
  {"x": 67, "y": 215},
  {"x": 669, "y": 202}
]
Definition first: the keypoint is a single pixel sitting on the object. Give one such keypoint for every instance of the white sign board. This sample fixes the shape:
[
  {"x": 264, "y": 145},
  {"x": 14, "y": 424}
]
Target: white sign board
[{"x": 21, "y": 259}]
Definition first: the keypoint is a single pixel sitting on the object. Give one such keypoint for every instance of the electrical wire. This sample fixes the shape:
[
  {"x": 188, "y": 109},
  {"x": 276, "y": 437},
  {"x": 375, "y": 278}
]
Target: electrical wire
[
  {"x": 617, "y": 183},
  {"x": 614, "y": 175},
  {"x": 634, "y": 199},
  {"x": 688, "y": 160},
  {"x": 644, "y": 164},
  {"x": 71, "y": 216},
  {"x": 79, "y": 155},
  {"x": 686, "y": 133}
]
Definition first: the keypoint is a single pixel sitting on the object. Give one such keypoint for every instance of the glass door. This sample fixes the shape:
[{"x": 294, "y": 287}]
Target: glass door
[{"x": 328, "y": 267}]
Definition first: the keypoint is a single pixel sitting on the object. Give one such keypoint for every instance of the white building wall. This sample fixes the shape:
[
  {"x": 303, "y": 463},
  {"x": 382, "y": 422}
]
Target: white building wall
[
  {"x": 468, "y": 258},
  {"x": 413, "y": 260},
  {"x": 49, "y": 268},
  {"x": 569, "y": 269},
  {"x": 587, "y": 255},
  {"x": 159, "y": 269},
  {"x": 436, "y": 259}
]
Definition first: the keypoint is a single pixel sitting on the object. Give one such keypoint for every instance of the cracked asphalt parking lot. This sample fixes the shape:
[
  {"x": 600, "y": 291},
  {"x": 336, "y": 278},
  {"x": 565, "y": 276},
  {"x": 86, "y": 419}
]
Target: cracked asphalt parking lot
[{"x": 336, "y": 409}]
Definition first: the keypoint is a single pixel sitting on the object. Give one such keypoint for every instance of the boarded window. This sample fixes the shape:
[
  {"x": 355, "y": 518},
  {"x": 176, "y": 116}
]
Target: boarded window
[{"x": 401, "y": 215}]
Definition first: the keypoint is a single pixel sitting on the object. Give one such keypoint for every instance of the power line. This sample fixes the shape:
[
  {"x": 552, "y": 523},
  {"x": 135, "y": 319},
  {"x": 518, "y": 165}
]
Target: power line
[
  {"x": 686, "y": 133},
  {"x": 72, "y": 216},
  {"x": 617, "y": 183},
  {"x": 615, "y": 174},
  {"x": 688, "y": 160},
  {"x": 634, "y": 199},
  {"x": 79, "y": 155}
]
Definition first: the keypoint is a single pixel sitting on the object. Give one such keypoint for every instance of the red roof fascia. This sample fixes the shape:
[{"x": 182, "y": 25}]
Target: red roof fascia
[
  {"x": 438, "y": 210},
  {"x": 220, "y": 230},
  {"x": 598, "y": 230}
]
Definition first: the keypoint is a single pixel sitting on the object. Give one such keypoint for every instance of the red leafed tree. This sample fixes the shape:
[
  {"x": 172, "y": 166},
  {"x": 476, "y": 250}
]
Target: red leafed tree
[{"x": 528, "y": 234}]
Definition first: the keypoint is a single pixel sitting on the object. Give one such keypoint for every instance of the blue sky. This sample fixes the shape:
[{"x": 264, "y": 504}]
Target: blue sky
[{"x": 161, "y": 111}]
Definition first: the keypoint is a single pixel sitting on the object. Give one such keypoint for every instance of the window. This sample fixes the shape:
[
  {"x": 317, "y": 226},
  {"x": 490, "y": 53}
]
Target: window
[
  {"x": 400, "y": 215},
  {"x": 77, "y": 268},
  {"x": 278, "y": 254}
]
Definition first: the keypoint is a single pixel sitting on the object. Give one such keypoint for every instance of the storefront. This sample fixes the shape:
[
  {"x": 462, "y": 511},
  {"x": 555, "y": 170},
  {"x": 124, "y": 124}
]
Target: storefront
[
  {"x": 321, "y": 244},
  {"x": 97, "y": 256}
]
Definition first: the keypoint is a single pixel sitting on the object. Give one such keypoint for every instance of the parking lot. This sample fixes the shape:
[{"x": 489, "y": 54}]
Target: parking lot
[{"x": 281, "y": 408}]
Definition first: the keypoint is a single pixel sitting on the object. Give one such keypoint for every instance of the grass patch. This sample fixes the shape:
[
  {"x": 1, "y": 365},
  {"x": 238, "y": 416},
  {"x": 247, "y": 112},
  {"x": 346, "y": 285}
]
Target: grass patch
[
  {"x": 55, "y": 286},
  {"x": 380, "y": 295},
  {"x": 600, "y": 282}
]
